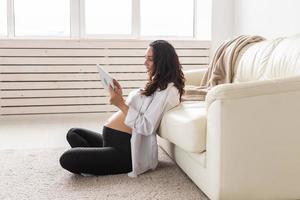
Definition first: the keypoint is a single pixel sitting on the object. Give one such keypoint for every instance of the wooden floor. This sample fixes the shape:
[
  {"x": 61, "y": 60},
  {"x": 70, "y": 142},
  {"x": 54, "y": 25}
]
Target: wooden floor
[{"x": 26, "y": 132}]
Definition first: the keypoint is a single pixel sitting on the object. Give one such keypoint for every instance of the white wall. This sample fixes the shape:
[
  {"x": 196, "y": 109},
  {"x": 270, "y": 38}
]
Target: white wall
[
  {"x": 222, "y": 22},
  {"x": 269, "y": 18}
]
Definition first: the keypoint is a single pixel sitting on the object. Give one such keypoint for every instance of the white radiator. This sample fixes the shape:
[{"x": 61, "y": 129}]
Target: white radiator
[{"x": 42, "y": 77}]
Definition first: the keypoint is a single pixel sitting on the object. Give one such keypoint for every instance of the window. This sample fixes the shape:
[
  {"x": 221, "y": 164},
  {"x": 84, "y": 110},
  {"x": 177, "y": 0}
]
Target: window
[
  {"x": 108, "y": 16},
  {"x": 42, "y": 17},
  {"x": 170, "y": 18},
  {"x": 3, "y": 17}
]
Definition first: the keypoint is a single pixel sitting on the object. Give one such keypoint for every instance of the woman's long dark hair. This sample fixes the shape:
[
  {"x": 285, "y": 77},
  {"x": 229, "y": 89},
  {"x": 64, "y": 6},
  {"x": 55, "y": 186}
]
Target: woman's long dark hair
[{"x": 166, "y": 69}]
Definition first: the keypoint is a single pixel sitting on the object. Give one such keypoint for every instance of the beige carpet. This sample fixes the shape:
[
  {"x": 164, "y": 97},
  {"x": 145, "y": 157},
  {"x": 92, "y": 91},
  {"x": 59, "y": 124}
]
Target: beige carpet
[{"x": 36, "y": 174}]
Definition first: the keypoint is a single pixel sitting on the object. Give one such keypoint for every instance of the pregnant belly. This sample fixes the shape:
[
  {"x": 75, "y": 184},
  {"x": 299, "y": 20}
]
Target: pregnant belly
[{"x": 116, "y": 121}]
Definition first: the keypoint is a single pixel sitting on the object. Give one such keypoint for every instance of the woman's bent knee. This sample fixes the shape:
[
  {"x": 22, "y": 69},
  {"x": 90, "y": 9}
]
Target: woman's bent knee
[
  {"x": 64, "y": 160},
  {"x": 71, "y": 133},
  {"x": 67, "y": 160}
]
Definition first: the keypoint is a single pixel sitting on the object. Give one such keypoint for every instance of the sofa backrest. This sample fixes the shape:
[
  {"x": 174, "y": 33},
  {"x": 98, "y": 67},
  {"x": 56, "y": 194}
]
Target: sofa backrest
[{"x": 269, "y": 59}]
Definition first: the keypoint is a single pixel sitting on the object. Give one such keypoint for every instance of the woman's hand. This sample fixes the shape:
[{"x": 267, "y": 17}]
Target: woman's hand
[
  {"x": 116, "y": 94},
  {"x": 116, "y": 97}
]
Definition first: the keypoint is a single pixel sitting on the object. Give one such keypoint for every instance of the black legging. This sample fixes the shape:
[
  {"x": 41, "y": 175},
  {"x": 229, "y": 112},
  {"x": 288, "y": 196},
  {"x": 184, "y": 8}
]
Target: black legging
[{"x": 93, "y": 153}]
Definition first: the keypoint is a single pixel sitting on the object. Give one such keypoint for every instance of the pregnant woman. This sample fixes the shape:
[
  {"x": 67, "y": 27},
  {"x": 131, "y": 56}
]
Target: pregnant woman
[{"x": 128, "y": 140}]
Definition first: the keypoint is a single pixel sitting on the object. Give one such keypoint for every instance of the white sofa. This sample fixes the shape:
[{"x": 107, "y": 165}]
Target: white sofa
[{"x": 243, "y": 141}]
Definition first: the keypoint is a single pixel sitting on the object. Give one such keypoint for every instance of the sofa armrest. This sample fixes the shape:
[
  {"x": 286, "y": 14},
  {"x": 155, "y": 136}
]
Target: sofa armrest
[
  {"x": 251, "y": 89},
  {"x": 253, "y": 137},
  {"x": 194, "y": 76}
]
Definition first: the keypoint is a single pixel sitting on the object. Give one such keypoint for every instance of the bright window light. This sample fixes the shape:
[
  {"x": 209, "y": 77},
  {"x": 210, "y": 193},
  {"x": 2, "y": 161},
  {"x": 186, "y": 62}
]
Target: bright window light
[
  {"x": 3, "y": 17},
  {"x": 42, "y": 17},
  {"x": 204, "y": 19},
  {"x": 108, "y": 16},
  {"x": 167, "y": 18}
]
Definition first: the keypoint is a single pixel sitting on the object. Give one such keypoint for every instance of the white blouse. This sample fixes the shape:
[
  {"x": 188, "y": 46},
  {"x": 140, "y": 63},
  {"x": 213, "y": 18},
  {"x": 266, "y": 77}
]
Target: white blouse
[{"x": 144, "y": 116}]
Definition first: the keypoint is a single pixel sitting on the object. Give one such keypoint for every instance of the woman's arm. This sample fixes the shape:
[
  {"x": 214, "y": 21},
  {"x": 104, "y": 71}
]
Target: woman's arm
[
  {"x": 116, "y": 97},
  {"x": 124, "y": 108},
  {"x": 147, "y": 121},
  {"x": 144, "y": 122}
]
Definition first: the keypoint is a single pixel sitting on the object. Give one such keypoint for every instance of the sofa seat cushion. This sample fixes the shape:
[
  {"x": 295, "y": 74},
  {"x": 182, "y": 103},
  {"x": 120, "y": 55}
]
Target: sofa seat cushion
[{"x": 185, "y": 126}]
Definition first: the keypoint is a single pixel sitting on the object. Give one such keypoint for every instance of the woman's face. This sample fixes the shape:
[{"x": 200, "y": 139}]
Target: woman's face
[{"x": 149, "y": 59}]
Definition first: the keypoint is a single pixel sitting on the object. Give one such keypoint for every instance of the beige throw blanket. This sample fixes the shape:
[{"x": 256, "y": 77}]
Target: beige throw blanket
[{"x": 221, "y": 68}]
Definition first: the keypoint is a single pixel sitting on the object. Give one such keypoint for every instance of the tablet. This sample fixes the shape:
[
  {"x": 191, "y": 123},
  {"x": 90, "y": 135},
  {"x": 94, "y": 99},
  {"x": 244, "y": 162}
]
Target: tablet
[{"x": 106, "y": 78}]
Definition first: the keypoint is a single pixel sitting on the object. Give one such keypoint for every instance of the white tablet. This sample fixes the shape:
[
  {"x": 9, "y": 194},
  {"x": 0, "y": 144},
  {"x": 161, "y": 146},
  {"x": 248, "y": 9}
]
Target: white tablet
[{"x": 106, "y": 78}]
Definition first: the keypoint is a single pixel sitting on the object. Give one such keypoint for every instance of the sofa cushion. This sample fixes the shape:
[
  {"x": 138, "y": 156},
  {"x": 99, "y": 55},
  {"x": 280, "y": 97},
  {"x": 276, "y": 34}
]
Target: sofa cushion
[
  {"x": 285, "y": 59},
  {"x": 252, "y": 61},
  {"x": 268, "y": 60},
  {"x": 185, "y": 126}
]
